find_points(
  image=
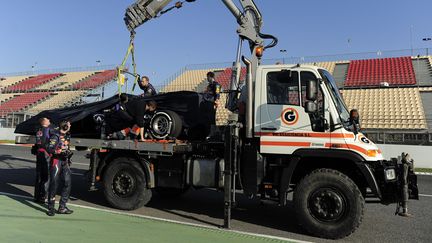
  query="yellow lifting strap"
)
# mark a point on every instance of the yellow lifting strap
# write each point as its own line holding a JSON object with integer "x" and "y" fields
{"x": 120, "y": 69}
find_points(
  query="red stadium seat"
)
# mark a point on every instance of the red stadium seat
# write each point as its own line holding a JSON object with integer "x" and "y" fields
{"x": 372, "y": 72}
{"x": 20, "y": 102}
{"x": 32, "y": 82}
{"x": 224, "y": 78}
{"x": 96, "y": 80}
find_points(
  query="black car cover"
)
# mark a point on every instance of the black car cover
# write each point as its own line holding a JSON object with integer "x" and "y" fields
{"x": 190, "y": 106}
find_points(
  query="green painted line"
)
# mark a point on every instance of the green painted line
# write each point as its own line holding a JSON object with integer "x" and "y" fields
{"x": 425, "y": 170}
{"x": 24, "y": 221}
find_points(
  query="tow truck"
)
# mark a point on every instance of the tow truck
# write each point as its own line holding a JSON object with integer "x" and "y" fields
{"x": 295, "y": 138}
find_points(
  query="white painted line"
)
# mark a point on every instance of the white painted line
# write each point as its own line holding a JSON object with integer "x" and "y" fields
{"x": 423, "y": 173}
{"x": 75, "y": 163}
{"x": 169, "y": 220}
{"x": 425, "y": 195}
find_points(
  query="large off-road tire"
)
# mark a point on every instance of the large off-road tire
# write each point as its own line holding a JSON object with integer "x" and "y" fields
{"x": 125, "y": 185}
{"x": 328, "y": 204}
{"x": 165, "y": 124}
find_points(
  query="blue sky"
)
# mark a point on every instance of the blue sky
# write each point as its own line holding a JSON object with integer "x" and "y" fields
{"x": 59, "y": 34}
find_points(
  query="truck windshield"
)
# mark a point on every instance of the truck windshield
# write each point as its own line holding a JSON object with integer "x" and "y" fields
{"x": 336, "y": 96}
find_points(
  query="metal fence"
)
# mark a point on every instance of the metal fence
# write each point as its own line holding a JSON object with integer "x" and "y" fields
{"x": 59, "y": 70}
{"x": 351, "y": 56}
{"x": 408, "y": 138}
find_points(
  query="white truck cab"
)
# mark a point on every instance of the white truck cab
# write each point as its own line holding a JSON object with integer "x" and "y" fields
{"x": 284, "y": 123}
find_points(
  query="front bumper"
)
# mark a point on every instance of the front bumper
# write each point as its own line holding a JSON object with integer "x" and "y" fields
{"x": 396, "y": 180}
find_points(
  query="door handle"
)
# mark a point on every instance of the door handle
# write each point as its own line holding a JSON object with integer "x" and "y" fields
{"x": 269, "y": 128}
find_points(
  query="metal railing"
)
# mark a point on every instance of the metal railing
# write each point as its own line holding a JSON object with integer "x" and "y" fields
{"x": 59, "y": 70}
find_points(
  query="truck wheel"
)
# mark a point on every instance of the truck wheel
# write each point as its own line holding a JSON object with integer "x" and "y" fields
{"x": 165, "y": 124}
{"x": 125, "y": 184}
{"x": 328, "y": 204}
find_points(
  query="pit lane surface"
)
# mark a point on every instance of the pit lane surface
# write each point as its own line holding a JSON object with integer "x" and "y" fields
{"x": 206, "y": 206}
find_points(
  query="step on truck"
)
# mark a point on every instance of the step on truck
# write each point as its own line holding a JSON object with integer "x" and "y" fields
{"x": 294, "y": 137}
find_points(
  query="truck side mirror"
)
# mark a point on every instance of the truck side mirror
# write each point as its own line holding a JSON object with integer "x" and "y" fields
{"x": 311, "y": 107}
{"x": 311, "y": 90}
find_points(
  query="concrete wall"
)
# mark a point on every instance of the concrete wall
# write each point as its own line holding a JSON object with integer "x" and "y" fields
{"x": 422, "y": 155}
{"x": 7, "y": 133}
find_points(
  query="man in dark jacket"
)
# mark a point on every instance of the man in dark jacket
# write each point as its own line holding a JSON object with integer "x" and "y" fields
{"x": 211, "y": 101}
{"x": 42, "y": 159}
{"x": 60, "y": 168}
{"x": 147, "y": 87}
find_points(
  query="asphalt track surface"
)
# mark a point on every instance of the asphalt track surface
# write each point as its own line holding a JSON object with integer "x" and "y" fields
{"x": 205, "y": 207}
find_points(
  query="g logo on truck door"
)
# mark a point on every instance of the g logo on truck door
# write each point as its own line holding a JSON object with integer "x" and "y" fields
{"x": 289, "y": 116}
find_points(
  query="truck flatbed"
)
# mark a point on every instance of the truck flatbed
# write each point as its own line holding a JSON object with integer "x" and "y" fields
{"x": 164, "y": 147}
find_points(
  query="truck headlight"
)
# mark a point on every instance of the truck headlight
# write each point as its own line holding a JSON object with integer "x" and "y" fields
{"x": 390, "y": 174}
{"x": 372, "y": 152}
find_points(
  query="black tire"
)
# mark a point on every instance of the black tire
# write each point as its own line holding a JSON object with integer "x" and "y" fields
{"x": 125, "y": 184}
{"x": 328, "y": 204}
{"x": 165, "y": 124}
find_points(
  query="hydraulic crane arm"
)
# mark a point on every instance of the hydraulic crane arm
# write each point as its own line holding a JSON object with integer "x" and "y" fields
{"x": 249, "y": 19}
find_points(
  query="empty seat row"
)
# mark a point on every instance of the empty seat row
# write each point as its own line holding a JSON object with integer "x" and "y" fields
{"x": 31, "y": 82}
{"x": 373, "y": 72}
{"x": 96, "y": 80}
{"x": 222, "y": 113}
{"x": 7, "y": 81}
{"x": 224, "y": 78}
{"x": 4, "y": 97}
{"x": 57, "y": 100}
{"x": 388, "y": 108}
{"x": 65, "y": 81}
{"x": 187, "y": 81}
{"x": 20, "y": 102}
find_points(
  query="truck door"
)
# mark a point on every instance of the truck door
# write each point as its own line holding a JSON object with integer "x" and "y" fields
{"x": 284, "y": 124}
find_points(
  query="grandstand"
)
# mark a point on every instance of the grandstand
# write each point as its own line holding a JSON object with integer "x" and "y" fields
{"x": 187, "y": 81}
{"x": 57, "y": 100}
{"x": 20, "y": 102}
{"x": 374, "y": 72}
{"x": 65, "y": 81}
{"x": 8, "y": 81}
{"x": 393, "y": 94}
{"x": 388, "y": 108}
{"x": 95, "y": 80}
{"x": 31, "y": 83}
{"x": 22, "y": 96}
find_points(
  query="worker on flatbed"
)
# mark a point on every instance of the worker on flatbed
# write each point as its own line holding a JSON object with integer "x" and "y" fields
{"x": 211, "y": 98}
{"x": 123, "y": 99}
{"x": 147, "y": 87}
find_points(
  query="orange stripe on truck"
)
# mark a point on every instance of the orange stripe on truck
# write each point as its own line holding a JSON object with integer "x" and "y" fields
{"x": 347, "y": 146}
{"x": 281, "y": 143}
{"x": 306, "y": 134}
{"x": 308, "y": 144}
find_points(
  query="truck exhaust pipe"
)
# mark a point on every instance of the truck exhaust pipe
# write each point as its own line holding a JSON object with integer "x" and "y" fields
{"x": 249, "y": 100}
